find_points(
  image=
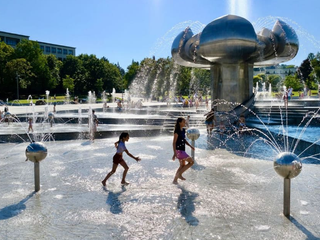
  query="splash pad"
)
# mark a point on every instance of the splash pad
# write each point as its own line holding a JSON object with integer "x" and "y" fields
{"x": 227, "y": 194}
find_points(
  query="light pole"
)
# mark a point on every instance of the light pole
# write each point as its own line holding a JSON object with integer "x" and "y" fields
{"x": 17, "y": 78}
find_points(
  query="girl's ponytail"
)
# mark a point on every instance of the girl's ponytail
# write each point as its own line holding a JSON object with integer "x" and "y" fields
{"x": 122, "y": 136}
{"x": 177, "y": 125}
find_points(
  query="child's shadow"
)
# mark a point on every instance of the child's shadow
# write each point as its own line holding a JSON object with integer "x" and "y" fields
{"x": 186, "y": 206}
{"x": 113, "y": 200}
{"x": 14, "y": 209}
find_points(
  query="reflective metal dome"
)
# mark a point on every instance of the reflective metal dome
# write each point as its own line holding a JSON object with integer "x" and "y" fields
{"x": 36, "y": 152}
{"x": 193, "y": 133}
{"x": 7, "y": 115}
{"x": 287, "y": 165}
{"x": 232, "y": 39}
{"x": 50, "y": 115}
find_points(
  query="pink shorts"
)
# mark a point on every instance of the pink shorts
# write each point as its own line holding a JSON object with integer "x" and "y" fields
{"x": 181, "y": 154}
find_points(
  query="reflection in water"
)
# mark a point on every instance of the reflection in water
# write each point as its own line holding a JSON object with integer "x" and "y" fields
{"x": 114, "y": 202}
{"x": 14, "y": 209}
{"x": 186, "y": 206}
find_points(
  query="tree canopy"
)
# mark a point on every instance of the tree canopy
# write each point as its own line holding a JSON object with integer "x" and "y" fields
{"x": 36, "y": 72}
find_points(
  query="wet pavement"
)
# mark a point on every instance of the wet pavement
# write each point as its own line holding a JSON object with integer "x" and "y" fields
{"x": 227, "y": 195}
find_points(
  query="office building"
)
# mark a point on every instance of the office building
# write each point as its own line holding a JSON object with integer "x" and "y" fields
{"x": 60, "y": 51}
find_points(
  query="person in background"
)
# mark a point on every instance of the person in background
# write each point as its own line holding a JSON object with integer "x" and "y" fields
{"x": 222, "y": 129}
{"x": 30, "y": 125}
{"x": 187, "y": 122}
{"x": 242, "y": 122}
{"x": 94, "y": 124}
{"x": 289, "y": 92}
{"x": 285, "y": 98}
{"x": 209, "y": 121}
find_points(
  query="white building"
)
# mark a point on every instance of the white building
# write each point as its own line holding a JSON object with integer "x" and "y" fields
{"x": 60, "y": 51}
{"x": 281, "y": 70}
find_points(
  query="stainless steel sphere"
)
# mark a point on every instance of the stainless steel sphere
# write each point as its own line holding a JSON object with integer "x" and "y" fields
{"x": 7, "y": 115}
{"x": 36, "y": 152}
{"x": 50, "y": 115}
{"x": 287, "y": 165}
{"x": 193, "y": 133}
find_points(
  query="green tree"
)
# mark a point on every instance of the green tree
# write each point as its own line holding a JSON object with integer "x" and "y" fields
{"x": 73, "y": 67}
{"x": 99, "y": 85}
{"x": 6, "y": 53}
{"x": 113, "y": 78}
{"x": 275, "y": 81}
{"x": 42, "y": 79}
{"x": 203, "y": 78}
{"x": 54, "y": 66}
{"x": 183, "y": 81}
{"x": 257, "y": 79}
{"x": 304, "y": 72}
{"x": 131, "y": 73}
{"x": 68, "y": 82}
{"x": 294, "y": 82}
{"x": 17, "y": 70}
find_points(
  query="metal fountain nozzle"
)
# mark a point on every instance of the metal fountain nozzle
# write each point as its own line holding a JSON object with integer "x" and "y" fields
{"x": 193, "y": 134}
{"x": 287, "y": 165}
{"x": 36, "y": 152}
{"x": 50, "y": 115}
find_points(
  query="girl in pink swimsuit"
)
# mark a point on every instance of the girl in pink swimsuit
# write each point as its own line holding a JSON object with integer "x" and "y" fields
{"x": 179, "y": 142}
{"x": 117, "y": 158}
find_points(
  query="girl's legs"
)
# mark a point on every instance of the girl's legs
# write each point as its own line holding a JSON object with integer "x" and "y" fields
{"x": 178, "y": 174}
{"x": 211, "y": 128}
{"x": 126, "y": 168}
{"x": 186, "y": 167}
{"x": 114, "y": 168}
{"x": 183, "y": 167}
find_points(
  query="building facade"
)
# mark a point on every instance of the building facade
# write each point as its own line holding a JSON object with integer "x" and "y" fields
{"x": 60, "y": 51}
{"x": 280, "y": 70}
{"x": 12, "y": 39}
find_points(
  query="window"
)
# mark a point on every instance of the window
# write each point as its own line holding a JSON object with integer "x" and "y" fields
{"x": 42, "y": 48}
{"x": 47, "y": 49}
{"x": 70, "y": 52}
{"x": 12, "y": 41}
{"x": 54, "y": 50}
{"x": 59, "y": 50}
{"x": 65, "y": 51}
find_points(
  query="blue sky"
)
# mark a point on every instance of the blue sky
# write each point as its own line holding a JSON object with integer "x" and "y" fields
{"x": 126, "y": 30}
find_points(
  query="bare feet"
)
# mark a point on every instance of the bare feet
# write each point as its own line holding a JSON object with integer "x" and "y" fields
{"x": 175, "y": 182}
{"x": 182, "y": 178}
{"x": 125, "y": 183}
{"x": 103, "y": 183}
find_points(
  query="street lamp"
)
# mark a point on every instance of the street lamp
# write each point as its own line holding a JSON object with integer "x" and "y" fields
{"x": 17, "y": 78}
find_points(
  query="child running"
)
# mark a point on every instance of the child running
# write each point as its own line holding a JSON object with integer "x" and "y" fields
{"x": 179, "y": 141}
{"x": 117, "y": 158}
{"x": 30, "y": 125}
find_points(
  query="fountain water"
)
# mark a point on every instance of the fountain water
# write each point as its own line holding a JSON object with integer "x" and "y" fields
{"x": 47, "y": 94}
{"x": 270, "y": 90}
{"x": 113, "y": 94}
{"x": 67, "y": 96}
{"x": 223, "y": 195}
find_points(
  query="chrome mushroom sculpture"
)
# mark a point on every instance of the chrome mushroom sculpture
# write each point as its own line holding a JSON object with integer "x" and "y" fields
{"x": 230, "y": 48}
